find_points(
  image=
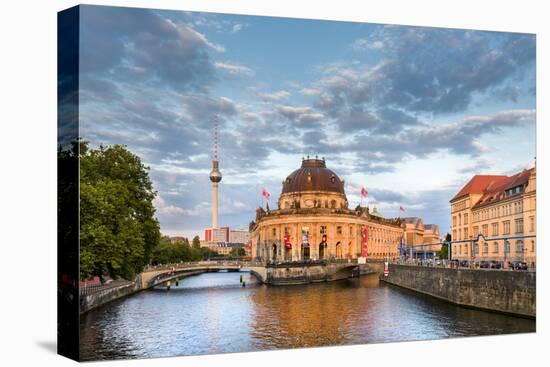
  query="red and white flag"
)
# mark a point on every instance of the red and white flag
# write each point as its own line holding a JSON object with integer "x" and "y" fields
{"x": 401, "y": 208}
{"x": 364, "y": 192}
{"x": 265, "y": 193}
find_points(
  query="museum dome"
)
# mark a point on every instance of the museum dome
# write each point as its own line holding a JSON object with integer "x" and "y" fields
{"x": 313, "y": 176}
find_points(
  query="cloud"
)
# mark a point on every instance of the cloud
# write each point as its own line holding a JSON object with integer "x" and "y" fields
{"x": 299, "y": 114}
{"x": 235, "y": 69}
{"x": 367, "y": 44}
{"x": 134, "y": 44}
{"x": 426, "y": 70}
{"x": 275, "y": 96}
{"x": 236, "y": 28}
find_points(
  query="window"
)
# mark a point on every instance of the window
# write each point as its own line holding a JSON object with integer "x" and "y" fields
{"x": 495, "y": 247}
{"x": 485, "y": 229}
{"x": 460, "y": 250}
{"x": 506, "y": 227}
{"x": 519, "y": 246}
{"x": 531, "y": 224}
{"x": 274, "y": 232}
{"x": 532, "y": 246}
{"x": 476, "y": 231}
{"x": 485, "y": 248}
{"x": 339, "y": 230}
{"x": 465, "y": 218}
{"x": 323, "y": 229}
{"x": 519, "y": 225}
{"x": 466, "y": 249}
{"x": 506, "y": 247}
{"x": 454, "y": 234}
{"x": 350, "y": 230}
{"x": 459, "y": 219}
{"x": 333, "y": 204}
{"x": 454, "y": 221}
{"x": 287, "y": 230}
{"x": 495, "y": 229}
{"x": 465, "y": 233}
{"x": 287, "y": 205}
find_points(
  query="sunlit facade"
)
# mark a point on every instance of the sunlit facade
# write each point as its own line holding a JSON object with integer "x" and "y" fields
{"x": 503, "y": 210}
{"x": 313, "y": 221}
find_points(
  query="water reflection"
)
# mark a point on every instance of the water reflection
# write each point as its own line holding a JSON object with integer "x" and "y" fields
{"x": 211, "y": 313}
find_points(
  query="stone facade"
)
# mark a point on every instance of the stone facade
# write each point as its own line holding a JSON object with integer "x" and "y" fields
{"x": 418, "y": 233}
{"x": 313, "y": 221}
{"x": 497, "y": 207}
{"x": 512, "y": 292}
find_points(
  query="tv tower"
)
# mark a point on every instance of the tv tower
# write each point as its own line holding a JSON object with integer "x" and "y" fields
{"x": 215, "y": 176}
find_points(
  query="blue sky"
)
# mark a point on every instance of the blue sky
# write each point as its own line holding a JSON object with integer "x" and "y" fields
{"x": 411, "y": 113}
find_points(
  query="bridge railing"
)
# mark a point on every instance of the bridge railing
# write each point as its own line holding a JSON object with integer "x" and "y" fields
{"x": 87, "y": 290}
{"x": 202, "y": 264}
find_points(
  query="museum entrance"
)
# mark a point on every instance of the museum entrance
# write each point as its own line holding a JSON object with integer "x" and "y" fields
{"x": 288, "y": 254}
{"x": 338, "y": 250}
{"x": 305, "y": 251}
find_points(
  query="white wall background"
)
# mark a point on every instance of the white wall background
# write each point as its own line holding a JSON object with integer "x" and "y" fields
{"x": 28, "y": 180}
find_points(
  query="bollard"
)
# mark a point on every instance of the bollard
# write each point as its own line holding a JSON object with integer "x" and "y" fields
{"x": 168, "y": 286}
{"x": 244, "y": 283}
{"x": 241, "y": 278}
{"x": 177, "y": 282}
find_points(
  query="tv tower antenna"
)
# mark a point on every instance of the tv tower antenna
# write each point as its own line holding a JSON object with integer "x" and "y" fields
{"x": 215, "y": 176}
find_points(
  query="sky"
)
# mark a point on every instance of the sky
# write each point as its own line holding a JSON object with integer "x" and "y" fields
{"x": 410, "y": 113}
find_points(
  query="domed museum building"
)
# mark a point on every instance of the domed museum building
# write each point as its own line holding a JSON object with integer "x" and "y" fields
{"x": 313, "y": 221}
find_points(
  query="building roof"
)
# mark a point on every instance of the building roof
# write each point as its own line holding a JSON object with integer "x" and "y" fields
{"x": 478, "y": 184}
{"x": 412, "y": 220}
{"x": 313, "y": 175}
{"x": 496, "y": 192}
{"x": 434, "y": 228}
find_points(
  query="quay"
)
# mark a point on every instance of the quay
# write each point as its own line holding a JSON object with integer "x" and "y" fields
{"x": 504, "y": 291}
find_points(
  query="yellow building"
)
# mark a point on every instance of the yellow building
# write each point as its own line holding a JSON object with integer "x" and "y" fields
{"x": 503, "y": 210}
{"x": 313, "y": 221}
{"x": 417, "y": 233}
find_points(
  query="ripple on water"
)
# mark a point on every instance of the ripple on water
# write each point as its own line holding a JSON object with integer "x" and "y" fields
{"x": 212, "y": 313}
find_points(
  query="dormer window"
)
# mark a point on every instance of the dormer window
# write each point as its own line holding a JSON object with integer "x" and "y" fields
{"x": 332, "y": 179}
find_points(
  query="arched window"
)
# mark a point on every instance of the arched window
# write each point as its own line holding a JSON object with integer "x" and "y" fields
{"x": 495, "y": 247}
{"x": 519, "y": 246}
{"x": 333, "y": 204}
{"x": 506, "y": 247}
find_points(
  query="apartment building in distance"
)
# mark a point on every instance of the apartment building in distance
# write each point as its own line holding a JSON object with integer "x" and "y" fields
{"x": 503, "y": 210}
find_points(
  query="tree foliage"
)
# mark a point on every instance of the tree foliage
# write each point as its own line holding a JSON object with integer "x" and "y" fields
{"x": 118, "y": 230}
{"x": 444, "y": 252}
{"x": 169, "y": 252}
{"x": 237, "y": 251}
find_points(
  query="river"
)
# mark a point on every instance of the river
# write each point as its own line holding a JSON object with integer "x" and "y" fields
{"x": 212, "y": 313}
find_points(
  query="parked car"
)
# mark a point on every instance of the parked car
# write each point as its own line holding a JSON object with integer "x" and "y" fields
{"x": 464, "y": 263}
{"x": 484, "y": 264}
{"x": 438, "y": 262}
{"x": 517, "y": 265}
{"x": 496, "y": 265}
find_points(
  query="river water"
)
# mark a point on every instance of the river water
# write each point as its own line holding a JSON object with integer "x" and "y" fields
{"x": 212, "y": 313}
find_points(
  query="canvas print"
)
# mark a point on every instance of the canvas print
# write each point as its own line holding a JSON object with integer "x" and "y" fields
{"x": 233, "y": 183}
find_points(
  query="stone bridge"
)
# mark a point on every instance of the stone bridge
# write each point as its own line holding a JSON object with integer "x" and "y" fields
{"x": 160, "y": 275}
{"x": 267, "y": 273}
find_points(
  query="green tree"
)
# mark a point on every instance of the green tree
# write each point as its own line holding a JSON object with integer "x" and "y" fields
{"x": 118, "y": 230}
{"x": 237, "y": 251}
{"x": 444, "y": 252}
{"x": 196, "y": 242}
